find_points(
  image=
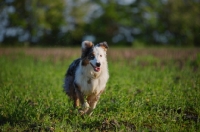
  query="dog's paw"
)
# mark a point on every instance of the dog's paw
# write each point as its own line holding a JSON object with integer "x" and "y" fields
{"x": 85, "y": 105}
{"x": 81, "y": 112}
{"x": 89, "y": 112}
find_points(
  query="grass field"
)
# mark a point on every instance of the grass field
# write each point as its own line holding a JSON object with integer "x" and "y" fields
{"x": 153, "y": 89}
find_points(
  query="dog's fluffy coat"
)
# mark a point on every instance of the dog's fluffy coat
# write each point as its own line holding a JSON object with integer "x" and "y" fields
{"x": 87, "y": 76}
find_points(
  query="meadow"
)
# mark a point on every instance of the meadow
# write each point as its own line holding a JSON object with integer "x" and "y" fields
{"x": 153, "y": 89}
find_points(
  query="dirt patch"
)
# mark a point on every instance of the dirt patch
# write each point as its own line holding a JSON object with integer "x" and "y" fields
{"x": 113, "y": 54}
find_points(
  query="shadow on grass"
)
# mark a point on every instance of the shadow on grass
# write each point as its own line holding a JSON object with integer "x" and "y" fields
{"x": 109, "y": 125}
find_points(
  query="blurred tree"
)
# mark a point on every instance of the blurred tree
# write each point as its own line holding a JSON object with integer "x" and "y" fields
{"x": 37, "y": 19}
{"x": 76, "y": 16}
{"x": 182, "y": 19}
{"x": 68, "y": 22}
{"x": 144, "y": 19}
{"x": 124, "y": 23}
{"x": 105, "y": 26}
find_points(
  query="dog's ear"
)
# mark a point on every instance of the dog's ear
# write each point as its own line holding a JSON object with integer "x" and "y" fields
{"x": 86, "y": 46}
{"x": 103, "y": 45}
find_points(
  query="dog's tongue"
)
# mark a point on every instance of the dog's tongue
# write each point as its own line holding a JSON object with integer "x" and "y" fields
{"x": 97, "y": 69}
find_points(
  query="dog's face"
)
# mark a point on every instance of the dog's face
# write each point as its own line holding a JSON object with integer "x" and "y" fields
{"x": 94, "y": 56}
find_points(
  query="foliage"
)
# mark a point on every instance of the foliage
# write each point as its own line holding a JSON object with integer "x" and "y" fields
{"x": 68, "y": 22}
{"x": 38, "y": 19}
{"x": 147, "y": 93}
{"x": 182, "y": 21}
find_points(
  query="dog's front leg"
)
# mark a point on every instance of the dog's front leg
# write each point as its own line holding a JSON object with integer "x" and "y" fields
{"x": 84, "y": 104}
{"x": 92, "y": 100}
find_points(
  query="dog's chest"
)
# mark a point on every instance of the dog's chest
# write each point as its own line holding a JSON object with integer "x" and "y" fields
{"x": 90, "y": 85}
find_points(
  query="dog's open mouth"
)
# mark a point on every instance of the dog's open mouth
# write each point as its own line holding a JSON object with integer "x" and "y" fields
{"x": 96, "y": 69}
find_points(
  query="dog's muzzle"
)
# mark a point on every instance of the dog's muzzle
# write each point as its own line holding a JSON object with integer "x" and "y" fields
{"x": 97, "y": 67}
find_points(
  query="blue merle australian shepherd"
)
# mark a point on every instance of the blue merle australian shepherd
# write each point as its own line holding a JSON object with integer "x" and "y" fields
{"x": 87, "y": 76}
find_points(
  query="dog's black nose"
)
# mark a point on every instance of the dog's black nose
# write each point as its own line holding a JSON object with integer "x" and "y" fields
{"x": 98, "y": 64}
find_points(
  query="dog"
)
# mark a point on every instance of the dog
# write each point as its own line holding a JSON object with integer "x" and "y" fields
{"x": 87, "y": 76}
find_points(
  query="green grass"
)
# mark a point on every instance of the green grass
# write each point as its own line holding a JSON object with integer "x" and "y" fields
{"x": 146, "y": 93}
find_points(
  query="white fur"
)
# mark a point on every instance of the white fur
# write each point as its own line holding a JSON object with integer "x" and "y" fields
{"x": 98, "y": 79}
{"x": 83, "y": 44}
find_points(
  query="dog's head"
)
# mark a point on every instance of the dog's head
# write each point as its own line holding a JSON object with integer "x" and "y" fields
{"x": 95, "y": 56}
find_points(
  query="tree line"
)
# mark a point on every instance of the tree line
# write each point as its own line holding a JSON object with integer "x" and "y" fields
{"x": 128, "y": 22}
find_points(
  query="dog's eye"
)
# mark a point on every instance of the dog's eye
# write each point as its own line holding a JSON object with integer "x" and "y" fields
{"x": 91, "y": 57}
